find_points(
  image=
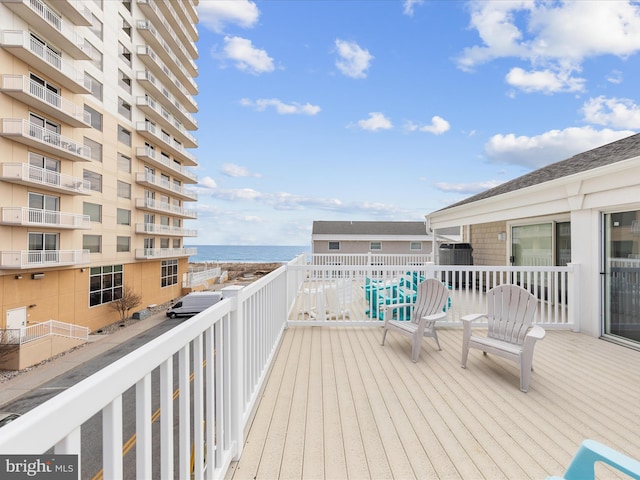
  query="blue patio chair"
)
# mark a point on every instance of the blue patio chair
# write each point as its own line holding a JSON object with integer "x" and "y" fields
{"x": 582, "y": 467}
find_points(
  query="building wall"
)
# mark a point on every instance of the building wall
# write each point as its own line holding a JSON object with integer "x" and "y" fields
{"x": 364, "y": 246}
{"x": 488, "y": 249}
{"x": 63, "y": 293}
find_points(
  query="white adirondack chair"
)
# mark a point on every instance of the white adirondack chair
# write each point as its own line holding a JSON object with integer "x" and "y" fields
{"x": 428, "y": 308}
{"x": 510, "y": 312}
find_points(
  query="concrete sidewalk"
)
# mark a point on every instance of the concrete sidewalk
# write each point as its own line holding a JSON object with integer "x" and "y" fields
{"x": 97, "y": 345}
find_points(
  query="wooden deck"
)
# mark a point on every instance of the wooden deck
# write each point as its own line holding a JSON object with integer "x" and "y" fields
{"x": 338, "y": 405}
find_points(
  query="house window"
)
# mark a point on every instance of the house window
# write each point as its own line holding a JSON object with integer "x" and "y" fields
{"x": 123, "y": 244}
{"x": 415, "y": 246}
{"x": 124, "y": 136}
{"x": 96, "y": 26}
{"x": 43, "y": 247}
{"x": 124, "y": 216}
{"x": 93, "y": 210}
{"x": 93, "y": 243}
{"x": 94, "y": 179}
{"x": 97, "y": 61}
{"x": 96, "y": 117}
{"x": 44, "y": 202}
{"x": 334, "y": 245}
{"x": 124, "y": 189}
{"x": 124, "y": 163}
{"x": 124, "y": 109}
{"x": 176, "y": 243}
{"x": 375, "y": 245}
{"x": 126, "y": 28}
{"x": 125, "y": 54}
{"x": 95, "y": 147}
{"x": 124, "y": 81}
{"x": 105, "y": 284}
{"x": 169, "y": 273}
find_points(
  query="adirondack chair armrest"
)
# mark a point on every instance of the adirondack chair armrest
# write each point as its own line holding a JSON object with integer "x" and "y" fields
{"x": 536, "y": 333}
{"x": 434, "y": 317}
{"x": 473, "y": 317}
{"x": 388, "y": 308}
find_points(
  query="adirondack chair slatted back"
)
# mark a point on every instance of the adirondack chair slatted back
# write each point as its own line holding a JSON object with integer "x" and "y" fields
{"x": 431, "y": 298}
{"x": 510, "y": 312}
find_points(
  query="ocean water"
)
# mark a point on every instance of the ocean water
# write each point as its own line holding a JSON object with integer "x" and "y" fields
{"x": 247, "y": 253}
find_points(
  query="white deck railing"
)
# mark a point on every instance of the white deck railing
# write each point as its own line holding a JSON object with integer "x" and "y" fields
{"x": 227, "y": 350}
{"x": 20, "y": 336}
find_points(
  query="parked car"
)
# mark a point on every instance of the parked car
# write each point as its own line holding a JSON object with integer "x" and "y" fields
{"x": 7, "y": 417}
{"x": 194, "y": 303}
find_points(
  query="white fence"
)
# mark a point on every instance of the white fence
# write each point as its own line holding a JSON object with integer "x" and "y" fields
{"x": 219, "y": 360}
{"x": 20, "y": 336}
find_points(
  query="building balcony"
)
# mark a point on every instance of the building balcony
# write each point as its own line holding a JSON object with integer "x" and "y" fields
{"x": 33, "y": 135}
{"x": 185, "y": 71}
{"x": 155, "y": 253}
{"x": 35, "y": 95}
{"x": 29, "y": 217}
{"x": 175, "y": 105}
{"x": 20, "y": 259}
{"x": 75, "y": 10}
{"x": 32, "y": 176}
{"x": 20, "y": 44}
{"x": 179, "y": 40}
{"x": 165, "y": 230}
{"x": 182, "y": 20}
{"x": 163, "y": 73}
{"x": 154, "y": 111}
{"x": 177, "y": 171}
{"x": 52, "y": 26}
{"x": 166, "y": 142}
{"x": 152, "y": 205}
{"x": 158, "y": 183}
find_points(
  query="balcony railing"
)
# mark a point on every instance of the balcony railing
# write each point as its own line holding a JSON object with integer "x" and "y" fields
{"x": 159, "y": 114}
{"x": 233, "y": 344}
{"x": 44, "y": 218}
{"x": 156, "y": 229}
{"x": 152, "y": 253}
{"x": 26, "y": 174}
{"x": 52, "y": 142}
{"x": 34, "y": 53}
{"x": 155, "y": 134}
{"x": 32, "y": 93}
{"x": 20, "y": 336}
{"x": 152, "y": 156}
{"x": 152, "y": 204}
{"x": 154, "y": 180}
{"x": 150, "y": 82}
{"x": 43, "y": 258}
{"x": 38, "y": 15}
{"x": 76, "y": 11}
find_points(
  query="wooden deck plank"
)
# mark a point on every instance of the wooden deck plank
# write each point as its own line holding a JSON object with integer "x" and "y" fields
{"x": 369, "y": 412}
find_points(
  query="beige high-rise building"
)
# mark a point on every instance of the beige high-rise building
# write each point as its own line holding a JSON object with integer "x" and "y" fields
{"x": 97, "y": 104}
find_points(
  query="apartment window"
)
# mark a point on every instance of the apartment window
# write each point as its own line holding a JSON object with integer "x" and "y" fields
{"x": 164, "y": 243}
{"x": 375, "y": 245}
{"x": 124, "y": 163}
{"x": 124, "y": 216}
{"x": 96, "y": 117}
{"x": 43, "y": 50}
{"x": 40, "y": 88}
{"x": 96, "y": 86}
{"x": 176, "y": 243}
{"x": 169, "y": 272}
{"x": 124, "y": 136}
{"x": 96, "y": 149}
{"x": 149, "y": 243}
{"x": 123, "y": 244}
{"x": 95, "y": 180}
{"x": 46, "y": 163}
{"x": 124, "y": 81}
{"x": 164, "y": 221}
{"x": 415, "y": 246}
{"x": 44, "y": 202}
{"x": 96, "y": 60}
{"x": 126, "y": 28}
{"x": 93, "y": 243}
{"x": 334, "y": 245}
{"x": 124, "y": 109}
{"x": 105, "y": 284}
{"x": 47, "y": 243}
{"x": 127, "y": 4}
{"x": 177, "y": 222}
{"x": 124, "y": 189}
{"x": 124, "y": 53}
{"x": 93, "y": 210}
{"x": 96, "y": 26}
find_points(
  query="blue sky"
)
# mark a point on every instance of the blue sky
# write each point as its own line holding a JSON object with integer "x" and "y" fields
{"x": 391, "y": 109}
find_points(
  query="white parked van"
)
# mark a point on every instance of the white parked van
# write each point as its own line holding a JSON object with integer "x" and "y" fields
{"x": 194, "y": 302}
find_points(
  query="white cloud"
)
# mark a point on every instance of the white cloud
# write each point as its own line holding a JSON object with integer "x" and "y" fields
{"x": 467, "y": 188}
{"x": 546, "y": 81}
{"x": 409, "y": 5}
{"x": 552, "y": 146}
{"x": 554, "y": 37}
{"x": 247, "y": 57}
{"x": 615, "y": 77}
{"x": 438, "y": 126}
{"x": 282, "y": 108}
{"x": 207, "y": 182}
{"x": 612, "y": 112}
{"x": 376, "y": 121}
{"x": 215, "y": 15}
{"x": 353, "y": 61}
{"x": 232, "y": 170}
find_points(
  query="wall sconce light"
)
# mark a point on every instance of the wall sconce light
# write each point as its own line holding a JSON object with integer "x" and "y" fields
{"x": 37, "y": 276}
{"x": 82, "y": 270}
{"x": 33, "y": 305}
{"x": 18, "y": 277}
{"x": 502, "y": 236}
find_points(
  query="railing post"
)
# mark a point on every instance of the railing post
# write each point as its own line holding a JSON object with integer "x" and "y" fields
{"x": 573, "y": 304}
{"x": 70, "y": 445}
{"x": 236, "y": 345}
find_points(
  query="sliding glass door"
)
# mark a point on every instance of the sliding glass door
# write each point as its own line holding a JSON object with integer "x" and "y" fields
{"x": 621, "y": 270}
